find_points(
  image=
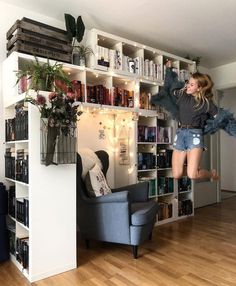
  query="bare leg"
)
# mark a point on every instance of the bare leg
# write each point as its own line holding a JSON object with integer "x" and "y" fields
{"x": 193, "y": 169}
{"x": 178, "y": 159}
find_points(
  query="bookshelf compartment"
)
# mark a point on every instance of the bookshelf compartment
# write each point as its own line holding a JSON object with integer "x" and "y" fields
{"x": 146, "y": 91}
{"x": 98, "y": 88}
{"x": 165, "y": 210}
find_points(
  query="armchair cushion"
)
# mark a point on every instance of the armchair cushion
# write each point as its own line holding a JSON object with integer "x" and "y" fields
{"x": 89, "y": 159}
{"x": 143, "y": 213}
{"x": 96, "y": 183}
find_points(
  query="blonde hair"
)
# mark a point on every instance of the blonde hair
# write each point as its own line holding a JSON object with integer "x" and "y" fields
{"x": 205, "y": 93}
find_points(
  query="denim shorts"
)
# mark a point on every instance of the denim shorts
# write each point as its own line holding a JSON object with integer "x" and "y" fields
{"x": 187, "y": 139}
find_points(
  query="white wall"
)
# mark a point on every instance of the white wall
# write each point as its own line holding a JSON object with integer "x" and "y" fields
{"x": 9, "y": 14}
{"x": 225, "y": 78}
{"x": 228, "y": 146}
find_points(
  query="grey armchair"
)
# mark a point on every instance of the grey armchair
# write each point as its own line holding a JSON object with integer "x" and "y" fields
{"x": 125, "y": 216}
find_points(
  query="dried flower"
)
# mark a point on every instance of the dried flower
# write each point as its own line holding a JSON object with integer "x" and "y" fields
{"x": 61, "y": 110}
{"x": 41, "y": 100}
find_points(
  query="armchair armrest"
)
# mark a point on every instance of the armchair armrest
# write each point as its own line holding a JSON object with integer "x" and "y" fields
{"x": 119, "y": 197}
{"x": 138, "y": 192}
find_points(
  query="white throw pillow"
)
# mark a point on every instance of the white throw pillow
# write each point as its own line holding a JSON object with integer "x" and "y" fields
{"x": 96, "y": 183}
{"x": 89, "y": 159}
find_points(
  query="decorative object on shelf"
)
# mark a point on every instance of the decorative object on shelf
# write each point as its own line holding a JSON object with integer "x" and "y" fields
{"x": 75, "y": 33}
{"x": 42, "y": 76}
{"x": 80, "y": 54}
{"x": 38, "y": 39}
{"x": 197, "y": 60}
{"x": 59, "y": 117}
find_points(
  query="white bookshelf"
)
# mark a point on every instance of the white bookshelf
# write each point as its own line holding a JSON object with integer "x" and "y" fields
{"x": 52, "y": 190}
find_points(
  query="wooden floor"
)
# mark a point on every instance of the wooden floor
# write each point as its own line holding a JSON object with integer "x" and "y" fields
{"x": 196, "y": 251}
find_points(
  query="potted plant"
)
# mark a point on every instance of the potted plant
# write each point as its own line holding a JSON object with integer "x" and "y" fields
{"x": 80, "y": 54}
{"x": 75, "y": 32}
{"x": 42, "y": 76}
{"x": 58, "y": 109}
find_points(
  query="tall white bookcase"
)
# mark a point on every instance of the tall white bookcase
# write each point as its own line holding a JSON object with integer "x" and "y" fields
{"x": 52, "y": 190}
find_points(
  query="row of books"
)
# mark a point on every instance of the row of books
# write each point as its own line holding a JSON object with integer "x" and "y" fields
{"x": 157, "y": 134}
{"x": 146, "y": 161}
{"x": 12, "y": 201}
{"x": 22, "y": 211}
{"x": 22, "y": 251}
{"x": 17, "y": 128}
{"x": 165, "y": 210}
{"x": 184, "y": 184}
{"x": 17, "y": 169}
{"x": 164, "y": 158}
{"x": 147, "y": 68}
{"x": 165, "y": 185}
{"x": 99, "y": 94}
{"x": 164, "y": 134}
{"x": 145, "y": 101}
{"x": 22, "y": 165}
{"x": 114, "y": 59}
{"x": 123, "y": 97}
{"x": 10, "y": 163}
{"x": 116, "y": 96}
{"x": 108, "y": 58}
{"x": 77, "y": 87}
{"x": 12, "y": 241}
{"x": 146, "y": 133}
{"x": 185, "y": 207}
{"x": 152, "y": 185}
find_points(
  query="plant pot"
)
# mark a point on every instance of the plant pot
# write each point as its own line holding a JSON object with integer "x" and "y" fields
{"x": 78, "y": 60}
{"x": 45, "y": 85}
{"x": 75, "y": 59}
{"x": 82, "y": 61}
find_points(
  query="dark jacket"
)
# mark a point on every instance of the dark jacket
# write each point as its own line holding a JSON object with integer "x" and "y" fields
{"x": 223, "y": 120}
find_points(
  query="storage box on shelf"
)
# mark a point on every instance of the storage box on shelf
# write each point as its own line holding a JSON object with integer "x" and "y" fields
{"x": 36, "y": 38}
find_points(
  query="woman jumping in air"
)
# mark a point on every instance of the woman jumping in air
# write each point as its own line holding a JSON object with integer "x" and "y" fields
{"x": 194, "y": 103}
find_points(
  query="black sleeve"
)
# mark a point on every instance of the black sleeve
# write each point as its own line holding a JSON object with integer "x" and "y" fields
{"x": 172, "y": 84}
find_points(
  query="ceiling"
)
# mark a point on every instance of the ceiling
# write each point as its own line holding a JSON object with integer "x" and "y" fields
{"x": 204, "y": 28}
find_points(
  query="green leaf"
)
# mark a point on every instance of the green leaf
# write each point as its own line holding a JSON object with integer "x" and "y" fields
{"x": 80, "y": 29}
{"x": 70, "y": 26}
